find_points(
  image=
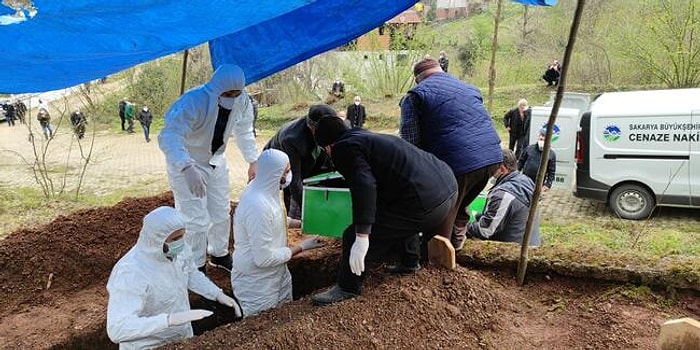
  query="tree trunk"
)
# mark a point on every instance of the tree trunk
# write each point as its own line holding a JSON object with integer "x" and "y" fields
{"x": 494, "y": 48}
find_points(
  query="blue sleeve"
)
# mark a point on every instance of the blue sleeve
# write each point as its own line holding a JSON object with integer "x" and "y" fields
{"x": 409, "y": 128}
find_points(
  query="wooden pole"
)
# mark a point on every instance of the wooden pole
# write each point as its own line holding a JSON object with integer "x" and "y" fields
{"x": 494, "y": 48}
{"x": 184, "y": 71}
{"x": 522, "y": 265}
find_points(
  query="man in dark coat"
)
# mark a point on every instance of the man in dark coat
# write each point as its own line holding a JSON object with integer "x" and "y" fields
{"x": 296, "y": 139}
{"x": 529, "y": 161}
{"x": 446, "y": 117}
{"x": 517, "y": 122}
{"x": 122, "y": 108}
{"x": 145, "y": 119}
{"x": 356, "y": 113}
{"x": 397, "y": 190}
{"x": 78, "y": 121}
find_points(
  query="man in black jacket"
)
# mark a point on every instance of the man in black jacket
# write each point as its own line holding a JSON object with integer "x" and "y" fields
{"x": 296, "y": 139}
{"x": 517, "y": 122}
{"x": 356, "y": 113}
{"x": 397, "y": 191}
{"x": 122, "y": 108}
{"x": 529, "y": 162}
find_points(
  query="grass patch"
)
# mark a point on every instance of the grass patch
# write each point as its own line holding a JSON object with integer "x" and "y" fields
{"x": 622, "y": 237}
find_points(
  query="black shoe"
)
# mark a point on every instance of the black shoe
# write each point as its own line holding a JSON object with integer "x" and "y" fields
{"x": 333, "y": 295}
{"x": 203, "y": 269}
{"x": 222, "y": 262}
{"x": 401, "y": 269}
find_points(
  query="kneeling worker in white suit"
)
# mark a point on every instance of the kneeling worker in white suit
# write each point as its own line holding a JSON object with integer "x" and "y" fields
{"x": 148, "y": 300}
{"x": 194, "y": 138}
{"x": 260, "y": 278}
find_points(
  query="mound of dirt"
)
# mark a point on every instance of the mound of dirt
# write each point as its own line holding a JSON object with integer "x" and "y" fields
{"x": 52, "y": 281}
{"x": 432, "y": 309}
{"x": 71, "y": 253}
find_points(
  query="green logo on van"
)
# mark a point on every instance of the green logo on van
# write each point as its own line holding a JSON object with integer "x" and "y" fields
{"x": 612, "y": 133}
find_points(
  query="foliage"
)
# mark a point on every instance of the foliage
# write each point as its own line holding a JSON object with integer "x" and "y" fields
{"x": 666, "y": 46}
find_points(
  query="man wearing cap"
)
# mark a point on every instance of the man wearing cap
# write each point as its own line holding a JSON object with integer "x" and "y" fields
{"x": 296, "y": 139}
{"x": 447, "y": 117}
{"x": 194, "y": 138}
{"x": 517, "y": 122}
{"x": 397, "y": 191}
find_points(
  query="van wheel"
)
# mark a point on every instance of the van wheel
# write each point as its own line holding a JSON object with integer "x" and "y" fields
{"x": 632, "y": 202}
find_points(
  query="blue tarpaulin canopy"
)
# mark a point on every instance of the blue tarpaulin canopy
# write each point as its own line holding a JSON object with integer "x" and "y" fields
{"x": 53, "y": 44}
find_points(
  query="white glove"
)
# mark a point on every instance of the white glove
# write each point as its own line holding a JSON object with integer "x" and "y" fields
{"x": 180, "y": 318}
{"x": 224, "y": 299}
{"x": 310, "y": 243}
{"x": 195, "y": 180}
{"x": 357, "y": 254}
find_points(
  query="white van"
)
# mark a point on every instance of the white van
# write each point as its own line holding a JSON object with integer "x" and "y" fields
{"x": 640, "y": 149}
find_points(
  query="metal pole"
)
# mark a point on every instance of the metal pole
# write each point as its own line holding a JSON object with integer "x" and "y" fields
{"x": 522, "y": 265}
{"x": 184, "y": 71}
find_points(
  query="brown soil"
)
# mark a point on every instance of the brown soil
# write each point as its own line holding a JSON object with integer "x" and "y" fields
{"x": 52, "y": 284}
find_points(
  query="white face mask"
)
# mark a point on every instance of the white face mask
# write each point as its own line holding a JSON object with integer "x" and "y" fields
{"x": 175, "y": 248}
{"x": 357, "y": 103}
{"x": 287, "y": 181}
{"x": 540, "y": 144}
{"x": 227, "y": 102}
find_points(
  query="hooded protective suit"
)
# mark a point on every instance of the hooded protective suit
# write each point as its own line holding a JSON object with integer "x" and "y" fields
{"x": 187, "y": 139}
{"x": 260, "y": 278}
{"x": 145, "y": 287}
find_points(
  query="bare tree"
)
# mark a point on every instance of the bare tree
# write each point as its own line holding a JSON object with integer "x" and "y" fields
{"x": 494, "y": 48}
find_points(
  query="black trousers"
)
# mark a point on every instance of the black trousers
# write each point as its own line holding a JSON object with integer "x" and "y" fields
{"x": 393, "y": 236}
{"x": 123, "y": 119}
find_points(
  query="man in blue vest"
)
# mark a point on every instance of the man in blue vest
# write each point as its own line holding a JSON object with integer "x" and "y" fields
{"x": 447, "y": 117}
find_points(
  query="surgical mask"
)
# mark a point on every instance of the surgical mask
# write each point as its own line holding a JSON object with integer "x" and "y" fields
{"x": 227, "y": 102}
{"x": 175, "y": 248}
{"x": 287, "y": 181}
{"x": 357, "y": 103}
{"x": 540, "y": 144}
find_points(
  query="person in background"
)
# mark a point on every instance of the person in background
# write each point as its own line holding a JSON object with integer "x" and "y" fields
{"x": 356, "y": 113}
{"x": 446, "y": 117}
{"x": 78, "y": 121}
{"x": 338, "y": 89}
{"x": 122, "y": 108}
{"x": 9, "y": 113}
{"x": 397, "y": 191}
{"x": 145, "y": 119}
{"x": 21, "y": 111}
{"x": 296, "y": 139}
{"x": 552, "y": 74}
{"x": 444, "y": 61}
{"x": 148, "y": 288}
{"x": 259, "y": 275}
{"x": 507, "y": 206}
{"x": 45, "y": 122}
{"x": 129, "y": 117}
{"x": 194, "y": 140}
{"x": 529, "y": 161}
{"x": 517, "y": 122}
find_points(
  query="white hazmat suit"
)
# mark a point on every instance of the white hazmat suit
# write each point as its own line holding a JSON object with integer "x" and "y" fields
{"x": 186, "y": 140}
{"x": 260, "y": 278}
{"x": 146, "y": 288}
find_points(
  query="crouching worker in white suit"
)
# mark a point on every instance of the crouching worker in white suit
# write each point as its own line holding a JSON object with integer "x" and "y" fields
{"x": 260, "y": 278}
{"x": 148, "y": 300}
{"x": 194, "y": 138}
